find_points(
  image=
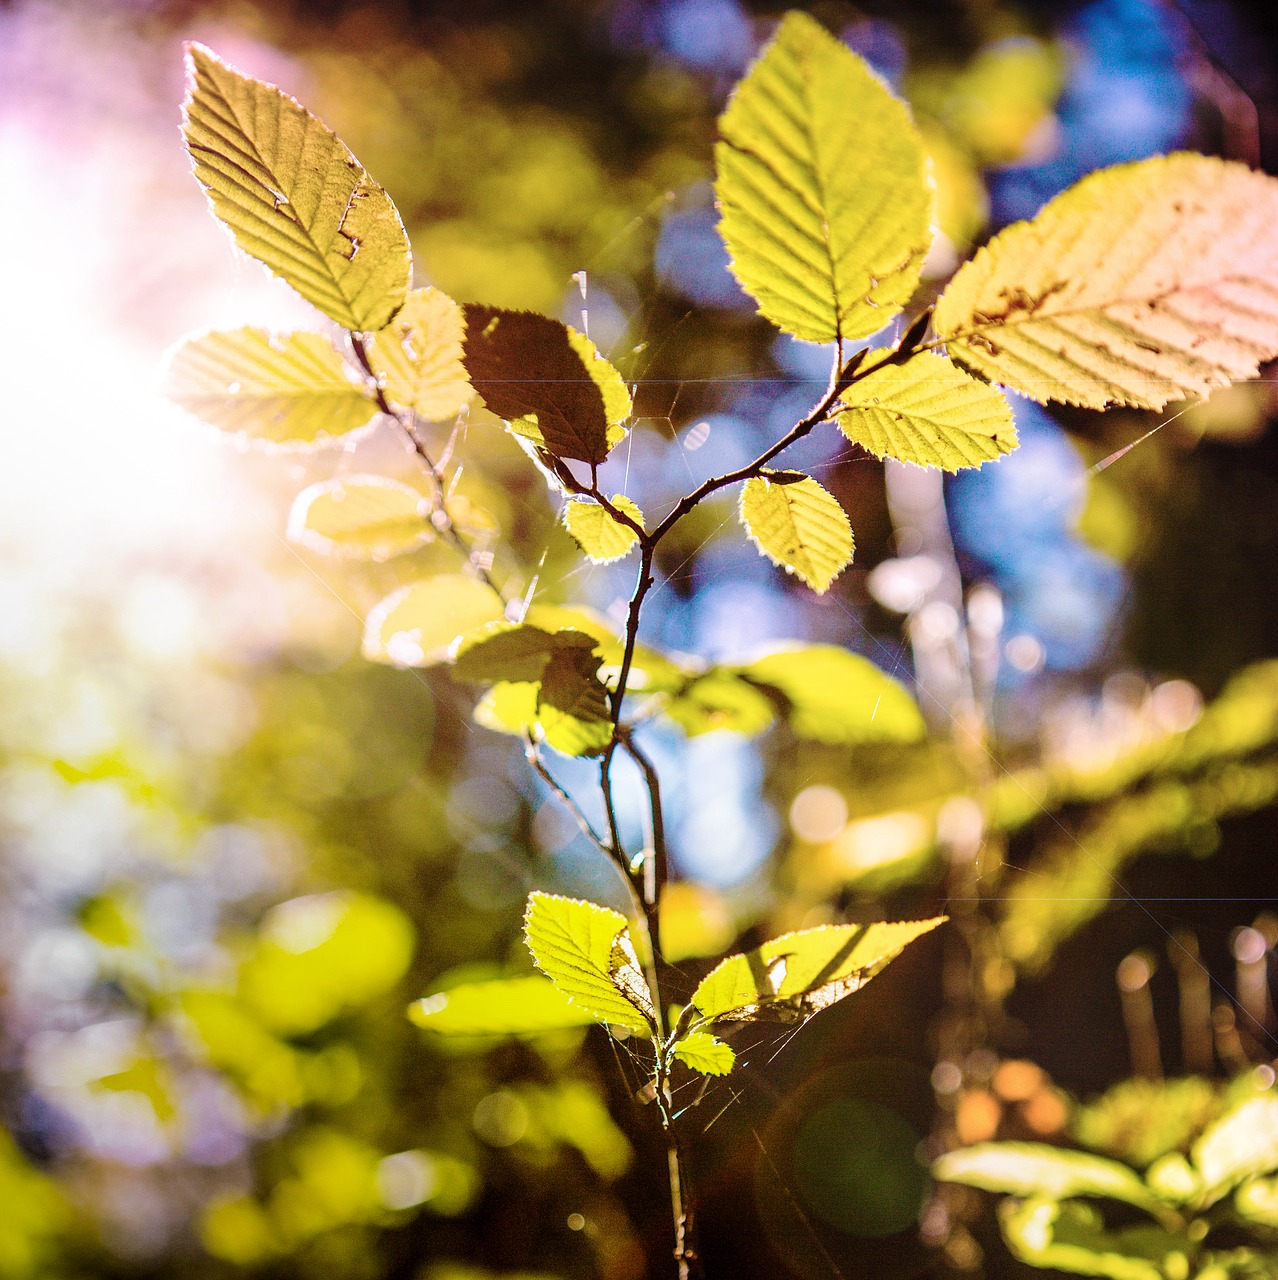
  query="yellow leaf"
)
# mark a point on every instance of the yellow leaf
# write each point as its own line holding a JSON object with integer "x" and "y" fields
{"x": 798, "y": 526}
{"x": 601, "y": 538}
{"x": 823, "y": 186}
{"x": 838, "y": 697}
{"x": 288, "y": 389}
{"x": 368, "y": 517}
{"x": 1143, "y": 283}
{"x": 929, "y": 412}
{"x": 799, "y": 974}
{"x": 293, "y": 195}
{"x": 585, "y": 950}
{"x": 418, "y": 356}
{"x": 546, "y": 381}
{"x": 417, "y": 625}
{"x": 705, "y": 1053}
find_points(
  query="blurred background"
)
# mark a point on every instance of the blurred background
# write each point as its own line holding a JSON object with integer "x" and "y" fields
{"x": 233, "y": 852}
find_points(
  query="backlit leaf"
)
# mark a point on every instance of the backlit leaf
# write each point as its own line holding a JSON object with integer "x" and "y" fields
{"x": 798, "y": 526}
{"x": 720, "y": 699}
{"x": 572, "y": 704}
{"x": 1143, "y": 283}
{"x": 650, "y": 671}
{"x": 1239, "y": 1145}
{"x": 293, "y": 195}
{"x": 798, "y": 974}
{"x": 417, "y": 625}
{"x": 508, "y": 707}
{"x": 1072, "y": 1237}
{"x": 503, "y": 651}
{"x": 369, "y": 517}
{"x": 585, "y": 950}
{"x": 1032, "y": 1168}
{"x": 929, "y": 412}
{"x": 822, "y": 183}
{"x": 838, "y": 697}
{"x": 600, "y": 537}
{"x": 418, "y": 356}
{"x": 287, "y": 389}
{"x": 546, "y": 380}
{"x": 504, "y": 1007}
{"x": 705, "y": 1053}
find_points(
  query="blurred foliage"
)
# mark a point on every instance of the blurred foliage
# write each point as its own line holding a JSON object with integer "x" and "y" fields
{"x": 230, "y": 866}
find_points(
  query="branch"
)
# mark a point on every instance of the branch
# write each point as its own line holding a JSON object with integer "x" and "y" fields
{"x": 407, "y": 427}
{"x": 532, "y": 754}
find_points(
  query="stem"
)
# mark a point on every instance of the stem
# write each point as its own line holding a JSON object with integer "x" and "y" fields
{"x": 441, "y": 518}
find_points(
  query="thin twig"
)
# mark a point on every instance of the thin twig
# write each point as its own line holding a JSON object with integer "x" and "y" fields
{"x": 441, "y": 519}
{"x": 532, "y": 753}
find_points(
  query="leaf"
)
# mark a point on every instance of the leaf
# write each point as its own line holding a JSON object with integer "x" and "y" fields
{"x": 929, "y": 412}
{"x": 503, "y": 651}
{"x": 585, "y": 950}
{"x": 417, "y": 625}
{"x": 572, "y": 705}
{"x": 504, "y": 1007}
{"x": 1034, "y": 1169}
{"x": 705, "y": 1053}
{"x": 287, "y": 389}
{"x": 293, "y": 195}
{"x": 1071, "y": 1237}
{"x": 798, "y": 526}
{"x": 600, "y": 537}
{"x": 650, "y": 671}
{"x": 367, "y": 517}
{"x": 823, "y": 187}
{"x": 838, "y": 697}
{"x": 508, "y": 707}
{"x": 1241, "y": 1144}
{"x": 720, "y": 699}
{"x": 798, "y": 974}
{"x": 1143, "y": 283}
{"x": 546, "y": 380}
{"x": 547, "y": 679}
{"x": 418, "y": 356}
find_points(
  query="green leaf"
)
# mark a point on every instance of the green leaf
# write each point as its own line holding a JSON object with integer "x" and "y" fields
{"x": 600, "y": 537}
{"x": 798, "y": 974}
{"x": 585, "y": 950}
{"x": 504, "y": 651}
{"x": 549, "y": 679}
{"x": 1143, "y": 283}
{"x": 418, "y": 356}
{"x": 705, "y": 1053}
{"x": 508, "y": 707}
{"x": 365, "y": 517}
{"x": 1071, "y": 1237}
{"x": 720, "y": 699}
{"x": 417, "y": 625}
{"x": 1034, "y": 1169}
{"x": 798, "y": 526}
{"x": 1241, "y": 1144}
{"x": 293, "y": 195}
{"x": 546, "y": 380}
{"x": 838, "y": 697}
{"x": 572, "y": 705}
{"x": 288, "y": 389}
{"x": 504, "y": 1007}
{"x": 650, "y": 671}
{"x": 824, "y": 189}
{"x": 927, "y": 411}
